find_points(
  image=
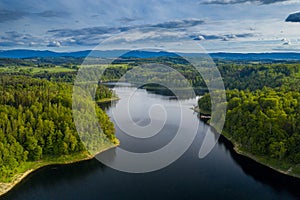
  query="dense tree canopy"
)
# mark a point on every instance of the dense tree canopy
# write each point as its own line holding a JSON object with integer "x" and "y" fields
{"x": 36, "y": 120}
{"x": 36, "y": 117}
{"x": 263, "y": 122}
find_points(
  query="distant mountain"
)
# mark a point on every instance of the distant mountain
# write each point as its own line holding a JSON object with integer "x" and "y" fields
{"x": 148, "y": 54}
{"x": 23, "y": 53}
{"x": 145, "y": 54}
{"x": 256, "y": 56}
{"x": 295, "y": 17}
{"x": 19, "y": 53}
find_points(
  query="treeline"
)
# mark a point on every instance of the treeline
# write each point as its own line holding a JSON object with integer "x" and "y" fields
{"x": 103, "y": 92}
{"x": 57, "y": 76}
{"x": 242, "y": 76}
{"x": 253, "y": 76}
{"x": 36, "y": 121}
{"x": 236, "y": 75}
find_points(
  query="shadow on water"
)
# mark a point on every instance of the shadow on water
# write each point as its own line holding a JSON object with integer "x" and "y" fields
{"x": 109, "y": 155}
{"x": 183, "y": 93}
{"x": 262, "y": 173}
{"x": 53, "y": 174}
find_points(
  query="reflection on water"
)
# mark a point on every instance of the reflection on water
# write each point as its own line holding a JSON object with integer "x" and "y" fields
{"x": 261, "y": 173}
{"x": 222, "y": 174}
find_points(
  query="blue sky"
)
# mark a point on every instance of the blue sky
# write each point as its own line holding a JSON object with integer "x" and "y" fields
{"x": 216, "y": 25}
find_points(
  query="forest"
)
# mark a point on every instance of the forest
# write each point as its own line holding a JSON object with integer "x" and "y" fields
{"x": 36, "y": 121}
{"x": 262, "y": 117}
{"x": 263, "y": 104}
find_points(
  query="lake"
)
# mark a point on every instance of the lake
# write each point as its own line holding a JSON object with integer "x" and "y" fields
{"x": 222, "y": 174}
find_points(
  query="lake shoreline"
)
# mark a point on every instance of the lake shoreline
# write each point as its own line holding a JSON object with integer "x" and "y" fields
{"x": 18, "y": 178}
{"x": 236, "y": 148}
{"x": 70, "y": 159}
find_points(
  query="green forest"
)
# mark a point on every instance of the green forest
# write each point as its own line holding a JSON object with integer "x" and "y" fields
{"x": 263, "y": 104}
{"x": 36, "y": 122}
{"x": 263, "y": 112}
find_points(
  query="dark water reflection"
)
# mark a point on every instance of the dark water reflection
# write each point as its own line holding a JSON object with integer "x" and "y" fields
{"x": 222, "y": 174}
{"x": 263, "y": 174}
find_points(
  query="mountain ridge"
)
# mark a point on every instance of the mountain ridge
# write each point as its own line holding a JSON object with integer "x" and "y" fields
{"x": 25, "y": 53}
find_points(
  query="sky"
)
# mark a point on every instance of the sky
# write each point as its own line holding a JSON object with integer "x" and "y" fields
{"x": 214, "y": 25}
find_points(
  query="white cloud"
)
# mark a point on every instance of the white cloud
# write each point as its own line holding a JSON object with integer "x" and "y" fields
{"x": 54, "y": 44}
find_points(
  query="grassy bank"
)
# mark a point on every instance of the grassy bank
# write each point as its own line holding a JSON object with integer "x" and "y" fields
{"x": 282, "y": 166}
{"x": 7, "y": 184}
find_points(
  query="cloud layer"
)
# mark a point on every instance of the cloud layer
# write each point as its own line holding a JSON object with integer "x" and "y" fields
{"x": 94, "y": 35}
{"x": 11, "y": 15}
{"x": 215, "y": 24}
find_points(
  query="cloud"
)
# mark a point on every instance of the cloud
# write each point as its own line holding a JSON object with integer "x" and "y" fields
{"x": 54, "y": 44}
{"x": 12, "y": 15}
{"x": 179, "y": 24}
{"x": 126, "y": 20}
{"x": 170, "y": 30}
{"x": 110, "y": 30}
{"x": 295, "y": 17}
{"x": 223, "y": 37}
{"x": 94, "y": 35}
{"x": 13, "y": 38}
{"x": 286, "y": 41}
{"x": 224, "y": 2}
{"x": 85, "y": 31}
{"x": 149, "y": 36}
{"x": 52, "y": 13}
{"x": 200, "y": 37}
